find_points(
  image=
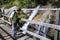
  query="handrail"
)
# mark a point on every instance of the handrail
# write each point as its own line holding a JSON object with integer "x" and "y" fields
{"x": 44, "y": 24}
{"x": 41, "y": 9}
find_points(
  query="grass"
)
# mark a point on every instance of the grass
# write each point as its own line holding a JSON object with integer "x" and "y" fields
{"x": 12, "y": 3}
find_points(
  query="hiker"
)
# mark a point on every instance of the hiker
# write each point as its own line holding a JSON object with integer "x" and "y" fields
{"x": 14, "y": 19}
{"x": 15, "y": 16}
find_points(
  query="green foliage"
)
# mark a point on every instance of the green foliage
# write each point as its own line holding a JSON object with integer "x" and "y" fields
{"x": 25, "y": 3}
{"x": 5, "y": 1}
{"x": 19, "y": 3}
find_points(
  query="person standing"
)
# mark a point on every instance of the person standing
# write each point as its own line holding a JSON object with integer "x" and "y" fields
{"x": 14, "y": 19}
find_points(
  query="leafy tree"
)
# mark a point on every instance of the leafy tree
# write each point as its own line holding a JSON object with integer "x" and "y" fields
{"x": 25, "y": 3}
{"x": 5, "y": 1}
